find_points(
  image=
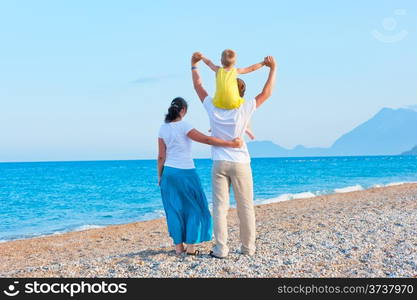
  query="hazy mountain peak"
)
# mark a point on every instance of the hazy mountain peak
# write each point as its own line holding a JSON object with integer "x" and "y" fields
{"x": 396, "y": 108}
{"x": 411, "y": 107}
{"x": 390, "y": 131}
{"x": 410, "y": 152}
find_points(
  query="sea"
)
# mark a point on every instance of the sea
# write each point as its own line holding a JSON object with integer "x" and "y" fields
{"x": 45, "y": 198}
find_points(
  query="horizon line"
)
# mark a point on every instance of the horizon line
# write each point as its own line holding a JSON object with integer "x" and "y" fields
{"x": 199, "y": 158}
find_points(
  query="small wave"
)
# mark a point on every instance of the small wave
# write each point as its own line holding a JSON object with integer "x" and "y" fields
{"x": 53, "y": 233}
{"x": 159, "y": 213}
{"x": 83, "y": 227}
{"x": 396, "y": 183}
{"x": 348, "y": 189}
{"x": 305, "y": 160}
{"x": 286, "y": 197}
{"x": 392, "y": 183}
{"x": 21, "y": 237}
{"x": 353, "y": 188}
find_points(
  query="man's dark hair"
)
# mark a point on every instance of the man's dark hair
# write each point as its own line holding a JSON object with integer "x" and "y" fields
{"x": 241, "y": 86}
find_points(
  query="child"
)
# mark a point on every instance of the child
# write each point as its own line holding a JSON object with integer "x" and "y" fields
{"x": 227, "y": 94}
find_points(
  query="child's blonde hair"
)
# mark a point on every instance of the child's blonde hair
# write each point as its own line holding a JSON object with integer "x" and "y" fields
{"x": 228, "y": 58}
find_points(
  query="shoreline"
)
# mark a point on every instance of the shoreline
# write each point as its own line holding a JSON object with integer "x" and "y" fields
{"x": 280, "y": 198}
{"x": 363, "y": 233}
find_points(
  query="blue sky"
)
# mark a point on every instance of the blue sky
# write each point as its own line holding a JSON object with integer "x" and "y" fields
{"x": 87, "y": 80}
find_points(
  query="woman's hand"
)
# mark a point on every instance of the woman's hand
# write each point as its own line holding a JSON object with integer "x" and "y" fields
{"x": 237, "y": 143}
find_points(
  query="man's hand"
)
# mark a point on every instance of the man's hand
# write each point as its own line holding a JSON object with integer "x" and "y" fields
{"x": 197, "y": 82}
{"x": 197, "y": 56}
{"x": 270, "y": 62}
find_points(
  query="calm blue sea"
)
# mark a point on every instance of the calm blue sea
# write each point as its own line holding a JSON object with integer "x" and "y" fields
{"x": 54, "y": 197}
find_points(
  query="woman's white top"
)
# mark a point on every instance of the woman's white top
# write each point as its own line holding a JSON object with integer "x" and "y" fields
{"x": 178, "y": 154}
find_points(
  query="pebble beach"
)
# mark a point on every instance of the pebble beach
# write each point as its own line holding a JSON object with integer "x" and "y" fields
{"x": 370, "y": 233}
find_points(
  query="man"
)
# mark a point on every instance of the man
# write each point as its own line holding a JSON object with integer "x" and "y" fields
{"x": 232, "y": 166}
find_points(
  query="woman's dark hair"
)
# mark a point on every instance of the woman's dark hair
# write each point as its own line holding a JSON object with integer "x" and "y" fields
{"x": 174, "y": 110}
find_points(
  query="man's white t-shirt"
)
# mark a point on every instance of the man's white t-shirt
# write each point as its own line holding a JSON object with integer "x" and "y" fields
{"x": 178, "y": 154}
{"x": 228, "y": 124}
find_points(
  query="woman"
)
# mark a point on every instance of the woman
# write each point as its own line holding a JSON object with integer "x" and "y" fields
{"x": 187, "y": 214}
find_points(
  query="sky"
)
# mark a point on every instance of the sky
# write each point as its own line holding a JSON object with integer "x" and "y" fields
{"x": 92, "y": 80}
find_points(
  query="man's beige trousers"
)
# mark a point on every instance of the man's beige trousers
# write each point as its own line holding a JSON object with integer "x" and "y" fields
{"x": 239, "y": 175}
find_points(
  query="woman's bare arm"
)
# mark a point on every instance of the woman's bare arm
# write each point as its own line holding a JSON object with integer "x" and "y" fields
{"x": 199, "y": 137}
{"x": 162, "y": 152}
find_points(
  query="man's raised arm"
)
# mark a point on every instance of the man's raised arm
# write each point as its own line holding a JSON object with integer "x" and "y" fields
{"x": 267, "y": 90}
{"x": 197, "y": 82}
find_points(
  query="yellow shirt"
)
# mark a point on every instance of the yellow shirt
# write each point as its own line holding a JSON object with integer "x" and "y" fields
{"x": 227, "y": 92}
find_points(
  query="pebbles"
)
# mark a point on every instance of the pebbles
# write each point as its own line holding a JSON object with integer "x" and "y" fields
{"x": 360, "y": 234}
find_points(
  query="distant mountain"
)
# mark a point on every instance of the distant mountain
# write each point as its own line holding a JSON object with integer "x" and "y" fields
{"x": 389, "y": 132}
{"x": 269, "y": 149}
{"x": 410, "y": 152}
{"x": 266, "y": 149}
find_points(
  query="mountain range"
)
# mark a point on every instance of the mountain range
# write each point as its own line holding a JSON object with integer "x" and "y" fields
{"x": 410, "y": 152}
{"x": 389, "y": 132}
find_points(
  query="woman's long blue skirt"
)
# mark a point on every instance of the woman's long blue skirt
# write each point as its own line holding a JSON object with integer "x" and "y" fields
{"x": 188, "y": 217}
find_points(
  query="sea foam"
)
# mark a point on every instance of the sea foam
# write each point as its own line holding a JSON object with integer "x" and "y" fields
{"x": 348, "y": 189}
{"x": 395, "y": 183}
{"x": 84, "y": 227}
{"x": 286, "y": 197}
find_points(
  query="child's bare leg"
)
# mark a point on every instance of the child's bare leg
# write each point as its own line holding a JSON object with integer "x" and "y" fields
{"x": 250, "y": 134}
{"x": 249, "y": 131}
